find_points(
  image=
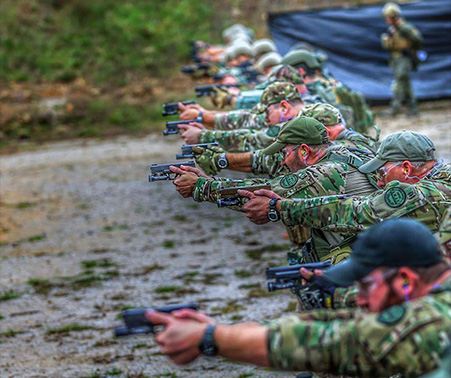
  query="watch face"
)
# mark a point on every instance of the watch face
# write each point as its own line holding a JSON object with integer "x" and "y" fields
{"x": 222, "y": 162}
{"x": 273, "y": 216}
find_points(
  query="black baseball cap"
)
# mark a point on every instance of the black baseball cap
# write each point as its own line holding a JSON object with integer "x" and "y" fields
{"x": 392, "y": 243}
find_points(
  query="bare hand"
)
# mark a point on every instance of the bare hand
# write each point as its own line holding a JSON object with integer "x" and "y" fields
{"x": 258, "y": 206}
{"x": 191, "y": 133}
{"x": 191, "y": 106}
{"x": 180, "y": 338}
{"x": 307, "y": 275}
{"x": 184, "y": 184}
{"x": 188, "y": 112}
{"x": 188, "y": 313}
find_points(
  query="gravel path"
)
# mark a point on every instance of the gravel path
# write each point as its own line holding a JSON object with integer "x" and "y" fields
{"x": 84, "y": 235}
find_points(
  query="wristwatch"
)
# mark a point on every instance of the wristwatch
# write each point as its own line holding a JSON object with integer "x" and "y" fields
{"x": 222, "y": 161}
{"x": 273, "y": 214}
{"x": 208, "y": 345}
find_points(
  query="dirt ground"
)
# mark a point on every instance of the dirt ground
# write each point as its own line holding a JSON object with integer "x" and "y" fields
{"x": 85, "y": 235}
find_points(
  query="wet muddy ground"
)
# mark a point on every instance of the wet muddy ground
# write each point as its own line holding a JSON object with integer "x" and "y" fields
{"x": 84, "y": 235}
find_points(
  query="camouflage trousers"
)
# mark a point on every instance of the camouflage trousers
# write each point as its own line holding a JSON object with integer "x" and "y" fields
{"x": 401, "y": 86}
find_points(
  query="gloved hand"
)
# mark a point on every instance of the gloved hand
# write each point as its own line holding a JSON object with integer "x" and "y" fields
{"x": 318, "y": 293}
{"x": 220, "y": 97}
{"x": 207, "y": 158}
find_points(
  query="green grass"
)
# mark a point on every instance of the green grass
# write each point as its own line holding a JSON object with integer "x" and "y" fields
{"x": 8, "y": 295}
{"x": 36, "y": 238}
{"x": 74, "y": 327}
{"x": 10, "y": 333}
{"x": 167, "y": 289}
{"x": 101, "y": 263}
{"x": 25, "y": 205}
{"x": 168, "y": 244}
{"x": 107, "y": 41}
{"x": 243, "y": 273}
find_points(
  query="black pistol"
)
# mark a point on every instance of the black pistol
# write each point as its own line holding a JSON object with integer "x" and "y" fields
{"x": 161, "y": 172}
{"x": 288, "y": 277}
{"x": 171, "y": 108}
{"x": 206, "y": 90}
{"x": 135, "y": 321}
{"x": 230, "y": 196}
{"x": 187, "y": 150}
{"x": 171, "y": 127}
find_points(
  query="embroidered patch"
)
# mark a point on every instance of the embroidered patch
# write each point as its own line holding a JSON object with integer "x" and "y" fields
{"x": 392, "y": 315}
{"x": 288, "y": 181}
{"x": 273, "y": 131}
{"x": 395, "y": 197}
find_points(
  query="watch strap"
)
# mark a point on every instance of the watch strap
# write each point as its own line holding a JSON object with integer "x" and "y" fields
{"x": 208, "y": 345}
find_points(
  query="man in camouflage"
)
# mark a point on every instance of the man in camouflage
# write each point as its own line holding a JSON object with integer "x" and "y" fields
{"x": 404, "y": 285}
{"x": 280, "y": 102}
{"x": 414, "y": 183}
{"x": 247, "y": 119}
{"x": 403, "y": 41}
{"x": 260, "y": 163}
{"x": 316, "y": 168}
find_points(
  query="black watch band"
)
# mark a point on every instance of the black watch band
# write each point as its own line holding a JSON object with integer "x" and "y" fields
{"x": 208, "y": 345}
{"x": 200, "y": 117}
{"x": 273, "y": 214}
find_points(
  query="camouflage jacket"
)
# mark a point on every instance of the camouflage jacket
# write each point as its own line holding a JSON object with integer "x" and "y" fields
{"x": 425, "y": 201}
{"x": 331, "y": 175}
{"x": 408, "y": 338}
{"x": 271, "y": 164}
{"x": 240, "y": 140}
{"x": 404, "y": 36}
{"x": 326, "y": 91}
{"x": 354, "y": 139}
{"x": 239, "y": 119}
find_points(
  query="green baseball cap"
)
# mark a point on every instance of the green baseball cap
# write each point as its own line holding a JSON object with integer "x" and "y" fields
{"x": 327, "y": 114}
{"x": 298, "y": 131}
{"x": 392, "y": 243}
{"x": 275, "y": 93}
{"x": 405, "y": 145}
{"x": 297, "y": 57}
{"x": 284, "y": 72}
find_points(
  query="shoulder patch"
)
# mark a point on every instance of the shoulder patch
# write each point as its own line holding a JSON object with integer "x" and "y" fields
{"x": 288, "y": 181}
{"x": 392, "y": 315}
{"x": 395, "y": 197}
{"x": 273, "y": 131}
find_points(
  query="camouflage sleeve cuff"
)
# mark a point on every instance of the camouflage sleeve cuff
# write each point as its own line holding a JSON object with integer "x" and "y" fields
{"x": 207, "y": 136}
{"x": 205, "y": 190}
{"x": 345, "y": 297}
{"x": 285, "y": 212}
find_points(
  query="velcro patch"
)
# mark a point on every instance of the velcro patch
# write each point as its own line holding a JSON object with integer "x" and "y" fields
{"x": 288, "y": 181}
{"x": 395, "y": 197}
{"x": 392, "y": 315}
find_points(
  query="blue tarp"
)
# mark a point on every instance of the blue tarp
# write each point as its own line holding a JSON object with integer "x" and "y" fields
{"x": 350, "y": 37}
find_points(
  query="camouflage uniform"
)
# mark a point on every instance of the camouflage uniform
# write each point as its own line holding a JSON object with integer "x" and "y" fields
{"x": 407, "y": 338}
{"x": 271, "y": 164}
{"x": 240, "y": 140}
{"x": 238, "y": 119}
{"x": 404, "y": 42}
{"x": 326, "y": 92}
{"x": 333, "y": 174}
{"x": 425, "y": 201}
{"x": 251, "y": 140}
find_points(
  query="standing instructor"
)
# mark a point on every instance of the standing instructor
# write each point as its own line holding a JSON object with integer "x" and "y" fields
{"x": 403, "y": 41}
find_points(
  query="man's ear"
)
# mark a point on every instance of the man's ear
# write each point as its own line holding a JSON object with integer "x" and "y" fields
{"x": 407, "y": 168}
{"x": 405, "y": 282}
